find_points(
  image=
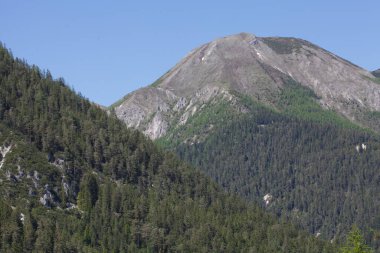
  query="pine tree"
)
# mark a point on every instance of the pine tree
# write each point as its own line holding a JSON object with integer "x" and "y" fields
{"x": 355, "y": 243}
{"x": 88, "y": 195}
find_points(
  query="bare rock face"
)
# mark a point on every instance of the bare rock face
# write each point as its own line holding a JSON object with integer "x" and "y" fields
{"x": 338, "y": 82}
{"x": 252, "y": 66}
{"x": 147, "y": 110}
{"x": 4, "y": 150}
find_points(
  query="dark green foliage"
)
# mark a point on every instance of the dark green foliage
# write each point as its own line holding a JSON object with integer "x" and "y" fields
{"x": 26, "y": 173}
{"x": 355, "y": 243}
{"x": 284, "y": 45}
{"x": 298, "y": 101}
{"x": 294, "y": 101}
{"x": 213, "y": 114}
{"x": 88, "y": 194}
{"x": 132, "y": 197}
{"x": 311, "y": 167}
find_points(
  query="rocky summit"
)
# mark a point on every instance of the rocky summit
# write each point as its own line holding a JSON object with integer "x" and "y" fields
{"x": 255, "y": 66}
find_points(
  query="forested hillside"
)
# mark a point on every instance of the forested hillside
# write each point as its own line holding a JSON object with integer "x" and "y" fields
{"x": 74, "y": 179}
{"x": 299, "y": 162}
{"x": 280, "y": 121}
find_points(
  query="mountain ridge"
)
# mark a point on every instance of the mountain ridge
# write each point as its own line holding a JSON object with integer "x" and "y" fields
{"x": 255, "y": 66}
{"x": 274, "y": 119}
{"x": 73, "y": 178}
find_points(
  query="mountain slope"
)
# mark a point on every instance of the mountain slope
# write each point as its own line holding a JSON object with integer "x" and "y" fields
{"x": 257, "y": 67}
{"x": 273, "y": 118}
{"x": 317, "y": 175}
{"x": 376, "y": 73}
{"x": 77, "y": 180}
{"x": 313, "y": 169}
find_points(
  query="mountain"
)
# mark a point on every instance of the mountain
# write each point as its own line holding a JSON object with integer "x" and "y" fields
{"x": 253, "y": 66}
{"x": 376, "y": 73}
{"x": 75, "y": 179}
{"x": 279, "y": 121}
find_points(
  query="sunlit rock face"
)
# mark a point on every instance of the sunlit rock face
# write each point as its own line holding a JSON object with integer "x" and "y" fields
{"x": 253, "y": 66}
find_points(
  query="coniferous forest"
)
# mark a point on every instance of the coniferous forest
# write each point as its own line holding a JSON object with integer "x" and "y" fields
{"x": 320, "y": 174}
{"x": 75, "y": 179}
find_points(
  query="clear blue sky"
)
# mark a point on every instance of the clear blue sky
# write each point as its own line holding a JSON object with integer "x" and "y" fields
{"x": 105, "y": 49}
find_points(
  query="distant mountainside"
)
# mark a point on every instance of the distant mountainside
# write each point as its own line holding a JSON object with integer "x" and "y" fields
{"x": 376, "y": 73}
{"x": 253, "y": 66}
{"x": 74, "y": 179}
{"x": 279, "y": 121}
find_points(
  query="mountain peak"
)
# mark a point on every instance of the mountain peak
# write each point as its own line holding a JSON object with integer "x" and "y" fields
{"x": 255, "y": 66}
{"x": 244, "y": 36}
